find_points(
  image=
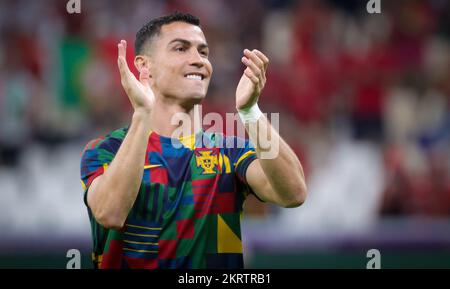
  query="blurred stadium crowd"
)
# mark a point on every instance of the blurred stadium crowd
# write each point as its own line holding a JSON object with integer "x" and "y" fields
{"x": 363, "y": 99}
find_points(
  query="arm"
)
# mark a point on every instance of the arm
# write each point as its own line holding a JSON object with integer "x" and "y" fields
{"x": 112, "y": 195}
{"x": 278, "y": 180}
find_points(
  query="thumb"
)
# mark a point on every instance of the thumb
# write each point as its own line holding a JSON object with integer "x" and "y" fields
{"x": 144, "y": 76}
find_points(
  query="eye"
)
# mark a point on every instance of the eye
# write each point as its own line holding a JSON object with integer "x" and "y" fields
{"x": 180, "y": 49}
{"x": 204, "y": 53}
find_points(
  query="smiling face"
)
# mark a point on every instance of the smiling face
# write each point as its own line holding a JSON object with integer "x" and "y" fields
{"x": 178, "y": 61}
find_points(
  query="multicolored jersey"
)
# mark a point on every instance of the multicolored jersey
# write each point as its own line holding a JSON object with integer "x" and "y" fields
{"x": 188, "y": 208}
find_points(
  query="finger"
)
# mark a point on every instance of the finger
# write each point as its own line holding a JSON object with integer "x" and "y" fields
{"x": 125, "y": 73}
{"x": 250, "y": 64}
{"x": 263, "y": 57}
{"x": 123, "y": 49}
{"x": 121, "y": 57}
{"x": 251, "y": 55}
{"x": 144, "y": 76}
{"x": 255, "y": 69}
{"x": 251, "y": 76}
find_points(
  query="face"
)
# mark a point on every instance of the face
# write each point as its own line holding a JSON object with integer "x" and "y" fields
{"x": 178, "y": 62}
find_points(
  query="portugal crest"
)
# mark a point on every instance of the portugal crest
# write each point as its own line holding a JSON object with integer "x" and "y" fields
{"x": 207, "y": 160}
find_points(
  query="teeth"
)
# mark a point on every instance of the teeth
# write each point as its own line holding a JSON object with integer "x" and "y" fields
{"x": 194, "y": 76}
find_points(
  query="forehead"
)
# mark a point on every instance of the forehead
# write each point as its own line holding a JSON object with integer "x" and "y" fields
{"x": 181, "y": 30}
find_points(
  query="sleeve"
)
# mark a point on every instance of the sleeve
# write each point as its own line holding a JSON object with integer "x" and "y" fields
{"x": 243, "y": 158}
{"x": 96, "y": 157}
{"x": 242, "y": 155}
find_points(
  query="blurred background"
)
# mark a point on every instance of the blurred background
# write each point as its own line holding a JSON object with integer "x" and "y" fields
{"x": 363, "y": 100}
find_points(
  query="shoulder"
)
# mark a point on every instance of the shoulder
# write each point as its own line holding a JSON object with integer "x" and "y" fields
{"x": 110, "y": 142}
{"x": 230, "y": 142}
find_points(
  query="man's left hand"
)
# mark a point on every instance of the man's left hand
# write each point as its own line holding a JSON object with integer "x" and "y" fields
{"x": 253, "y": 80}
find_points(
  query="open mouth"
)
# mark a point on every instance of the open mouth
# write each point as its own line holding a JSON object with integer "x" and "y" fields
{"x": 195, "y": 76}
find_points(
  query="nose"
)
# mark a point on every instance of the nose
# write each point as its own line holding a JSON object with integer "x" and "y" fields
{"x": 195, "y": 59}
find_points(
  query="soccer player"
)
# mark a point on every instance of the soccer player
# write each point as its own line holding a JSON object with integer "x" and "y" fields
{"x": 155, "y": 201}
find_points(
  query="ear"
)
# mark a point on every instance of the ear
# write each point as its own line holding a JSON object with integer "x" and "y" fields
{"x": 141, "y": 61}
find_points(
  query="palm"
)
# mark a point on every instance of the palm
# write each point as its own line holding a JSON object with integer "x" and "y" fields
{"x": 246, "y": 93}
{"x": 139, "y": 91}
{"x": 253, "y": 80}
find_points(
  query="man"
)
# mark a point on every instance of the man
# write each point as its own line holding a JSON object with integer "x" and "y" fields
{"x": 153, "y": 204}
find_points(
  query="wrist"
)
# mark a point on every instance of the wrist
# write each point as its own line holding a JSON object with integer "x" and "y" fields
{"x": 250, "y": 114}
{"x": 141, "y": 113}
{"x": 141, "y": 117}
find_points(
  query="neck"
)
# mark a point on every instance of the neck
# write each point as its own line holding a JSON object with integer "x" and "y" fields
{"x": 175, "y": 120}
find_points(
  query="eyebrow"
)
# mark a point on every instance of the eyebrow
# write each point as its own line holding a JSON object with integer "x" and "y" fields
{"x": 186, "y": 42}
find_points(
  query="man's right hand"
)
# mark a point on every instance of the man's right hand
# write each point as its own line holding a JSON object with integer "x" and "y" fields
{"x": 139, "y": 91}
{"x": 111, "y": 196}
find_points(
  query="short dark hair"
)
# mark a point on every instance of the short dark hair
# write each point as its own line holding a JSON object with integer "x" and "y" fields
{"x": 153, "y": 27}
